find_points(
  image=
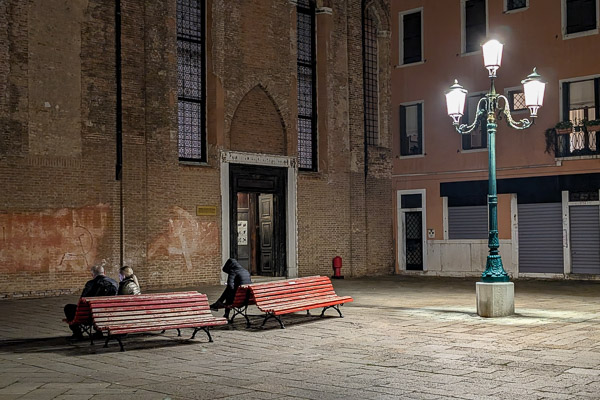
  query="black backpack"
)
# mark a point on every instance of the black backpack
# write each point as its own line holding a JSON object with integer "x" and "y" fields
{"x": 103, "y": 287}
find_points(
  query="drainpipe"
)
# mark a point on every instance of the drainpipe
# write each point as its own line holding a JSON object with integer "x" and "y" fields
{"x": 119, "y": 124}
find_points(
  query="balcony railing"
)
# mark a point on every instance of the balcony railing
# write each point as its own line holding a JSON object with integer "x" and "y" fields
{"x": 579, "y": 142}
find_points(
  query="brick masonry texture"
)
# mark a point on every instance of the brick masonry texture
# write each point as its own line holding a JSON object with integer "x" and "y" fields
{"x": 61, "y": 208}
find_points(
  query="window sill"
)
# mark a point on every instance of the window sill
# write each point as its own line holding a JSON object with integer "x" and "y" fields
{"x": 474, "y": 150}
{"x": 567, "y": 36}
{"x": 409, "y": 64}
{"x": 516, "y": 10}
{"x": 472, "y": 53}
{"x": 203, "y": 164}
{"x": 401, "y": 157}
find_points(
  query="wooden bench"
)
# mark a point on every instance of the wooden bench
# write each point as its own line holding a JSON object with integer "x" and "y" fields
{"x": 277, "y": 298}
{"x": 120, "y": 315}
{"x": 240, "y": 304}
{"x": 83, "y": 317}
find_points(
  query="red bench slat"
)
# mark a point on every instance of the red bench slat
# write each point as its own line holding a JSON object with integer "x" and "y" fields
{"x": 293, "y": 295}
{"x": 153, "y": 312}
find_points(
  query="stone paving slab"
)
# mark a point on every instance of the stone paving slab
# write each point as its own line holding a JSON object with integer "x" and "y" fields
{"x": 402, "y": 338}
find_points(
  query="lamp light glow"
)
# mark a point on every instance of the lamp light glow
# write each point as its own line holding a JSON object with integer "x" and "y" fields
{"x": 455, "y": 102}
{"x": 533, "y": 88}
{"x": 492, "y": 56}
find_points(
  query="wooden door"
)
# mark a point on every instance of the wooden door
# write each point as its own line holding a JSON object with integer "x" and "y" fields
{"x": 265, "y": 212}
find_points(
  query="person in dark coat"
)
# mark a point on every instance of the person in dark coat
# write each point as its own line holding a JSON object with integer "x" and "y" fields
{"x": 129, "y": 283}
{"x": 236, "y": 276}
{"x": 100, "y": 285}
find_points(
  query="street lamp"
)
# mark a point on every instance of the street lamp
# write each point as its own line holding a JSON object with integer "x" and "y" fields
{"x": 490, "y": 107}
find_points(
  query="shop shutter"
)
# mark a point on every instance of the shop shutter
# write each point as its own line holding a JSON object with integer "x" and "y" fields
{"x": 468, "y": 222}
{"x": 540, "y": 238}
{"x": 585, "y": 239}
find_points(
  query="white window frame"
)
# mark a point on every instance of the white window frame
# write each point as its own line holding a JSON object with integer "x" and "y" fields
{"x": 401, "y": 15}
{"x": 570, "y": 80}
{"x": 407, "y": 104}
{"x": 460, "y": 136}
{"x": 463, "y": 32}
{"x": 505, "y": 9}
{"x": 507, "y": 92}
{"x": 563, "y": 11}
{"x": 401, "y": 230}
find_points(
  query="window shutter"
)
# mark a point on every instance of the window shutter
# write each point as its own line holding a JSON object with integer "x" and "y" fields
{"x": 412, "y": 37}
{"x": 566, "y": 102}
{"x": 403, "y": 139}
{"x": 597, "y": 97}
{"x": 475, "y": 26}
{"x": 420, "y": 123}
{"x": 581, "y": 15}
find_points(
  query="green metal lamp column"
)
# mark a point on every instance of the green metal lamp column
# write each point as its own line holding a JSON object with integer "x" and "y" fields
{"x": 494, "y": 271}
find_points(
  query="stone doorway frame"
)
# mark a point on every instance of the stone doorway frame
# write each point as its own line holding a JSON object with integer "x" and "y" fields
{"x": 291, "y": 246}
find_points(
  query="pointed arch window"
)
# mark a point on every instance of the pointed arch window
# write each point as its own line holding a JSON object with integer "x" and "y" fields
{"x": 370, "y": 77}
{"x": 191, "y": 84}
{"x": 307, "y": 86}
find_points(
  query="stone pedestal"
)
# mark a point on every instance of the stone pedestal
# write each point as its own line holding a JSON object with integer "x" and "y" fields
{"x": 495, "y": 299}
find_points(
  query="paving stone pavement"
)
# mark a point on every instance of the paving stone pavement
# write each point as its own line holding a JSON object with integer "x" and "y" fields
{"x": 402, "y": 338}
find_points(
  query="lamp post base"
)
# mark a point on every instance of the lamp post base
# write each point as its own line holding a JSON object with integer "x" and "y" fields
{"x": 495, "y": 299}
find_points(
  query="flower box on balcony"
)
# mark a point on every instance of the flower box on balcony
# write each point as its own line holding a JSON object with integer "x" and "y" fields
{"x": 564, "y": 127}
{"x": 593, "y": 125}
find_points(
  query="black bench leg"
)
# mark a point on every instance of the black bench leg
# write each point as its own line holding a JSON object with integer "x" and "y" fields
{"x": 307, "y": 312}
{"x": 336, "y": 308}
{"x": 205, "y": 329}
{"x": 178, "y": 332}
{"x": 247, "y": 320}
{"x": 271, "y": 315}
{"x": 120, "y": 343}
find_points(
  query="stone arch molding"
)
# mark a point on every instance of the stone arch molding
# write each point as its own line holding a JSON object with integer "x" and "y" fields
{"x": 381, "y": 14}
{"x": 237, "y": 95}
{"x": 257, "y": 125}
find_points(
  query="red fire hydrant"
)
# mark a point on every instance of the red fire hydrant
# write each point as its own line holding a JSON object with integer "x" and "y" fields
{"x": 337, "y": 268}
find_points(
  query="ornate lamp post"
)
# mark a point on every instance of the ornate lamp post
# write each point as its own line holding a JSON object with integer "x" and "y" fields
{"x": 490, "y": 106}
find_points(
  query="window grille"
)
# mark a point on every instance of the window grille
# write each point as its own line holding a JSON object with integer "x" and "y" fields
{"x": 581, "y": 15}
{"x": 307, "y": 100}
{"x": 191, "y": 80}
{"x": 371, "y": 87}
{"x": 516, "y": 98}
{"x": 475, "y": 24}
{"x": 515, "y": 4}
{"x": 411, "y": 38}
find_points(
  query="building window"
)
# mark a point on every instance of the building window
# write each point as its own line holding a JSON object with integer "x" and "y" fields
{"x": 307, "y": 90}
{"x": 191, "y": 85}
{"x": 581, "y": 16}
{"x": 516, "y": 100}
{"x": 371, "y": 87}
{"x": 411, "y": 31}
{"x": 511, "y": 5}
{"x": 411, "y": 129}
{"x": 580, "y": 102}
{"x": 478, "y": 138}
{"x": 475, "y": 24}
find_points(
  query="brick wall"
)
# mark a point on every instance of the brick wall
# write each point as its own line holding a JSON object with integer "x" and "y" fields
{"x": 61, "y": 198}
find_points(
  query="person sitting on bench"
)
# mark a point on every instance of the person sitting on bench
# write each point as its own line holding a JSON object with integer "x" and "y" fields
{"x": 236, "y": 276}
{"x": 100, "y": 285}
{"x": 129, "y": 283}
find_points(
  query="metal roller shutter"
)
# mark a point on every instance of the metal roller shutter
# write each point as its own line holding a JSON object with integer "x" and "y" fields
{"x": 585, "y": 239}
{"x": 540, "y": 238}
{"x": 469, "y": 222}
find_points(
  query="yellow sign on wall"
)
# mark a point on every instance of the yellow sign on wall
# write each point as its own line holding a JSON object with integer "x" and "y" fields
{"x": 206, "y": 210}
